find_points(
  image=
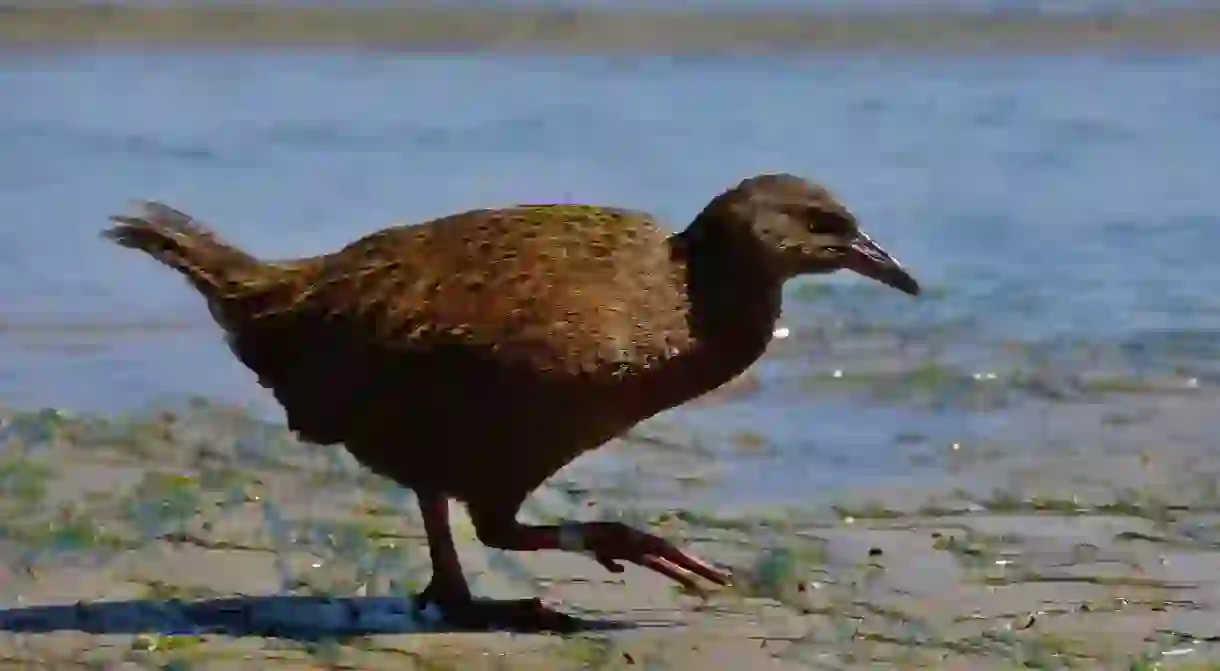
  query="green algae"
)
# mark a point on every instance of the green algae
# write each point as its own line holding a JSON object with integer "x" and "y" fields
{"x": 707, "y": 520}
{"x": 70, "y": 530}
{"x": 781, "y": 573}
{"x": 163, "y": 500}
{"x": 165, "y": 643}
{"x": 588, "y": 651}
{"x": 866, "y": 511}
{"x": 24, "y": 482}
{"x": 971, "y": 547}
{"x": 160, "y": 590}
{"x": 32, "y": 427}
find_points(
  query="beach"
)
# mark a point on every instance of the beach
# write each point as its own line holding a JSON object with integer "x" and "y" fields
{"x": 1017, "y": 470}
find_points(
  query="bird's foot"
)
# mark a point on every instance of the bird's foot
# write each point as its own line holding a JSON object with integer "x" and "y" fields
{"x": 610, "y": 542}
{"x": 462, "y": 611}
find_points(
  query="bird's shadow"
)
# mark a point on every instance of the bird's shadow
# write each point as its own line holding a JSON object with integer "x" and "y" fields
{"x": 304, "y": 618}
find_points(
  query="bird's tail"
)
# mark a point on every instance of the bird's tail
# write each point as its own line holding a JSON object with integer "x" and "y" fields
{"x": 176, "y": 239}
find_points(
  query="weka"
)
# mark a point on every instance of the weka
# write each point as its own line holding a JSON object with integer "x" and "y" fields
{"x": 475, "y": 355}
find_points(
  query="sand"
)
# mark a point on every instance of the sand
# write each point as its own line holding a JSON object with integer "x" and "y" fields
{"x": 202, "y": 538}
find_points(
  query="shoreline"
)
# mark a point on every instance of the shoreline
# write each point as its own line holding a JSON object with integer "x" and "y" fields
{"x": 653, "y": 32}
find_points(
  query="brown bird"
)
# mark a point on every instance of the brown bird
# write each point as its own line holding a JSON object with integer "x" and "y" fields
{"x": 473, "y": 356}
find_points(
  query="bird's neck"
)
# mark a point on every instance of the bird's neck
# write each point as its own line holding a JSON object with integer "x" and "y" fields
{"x": 734, "y": 301}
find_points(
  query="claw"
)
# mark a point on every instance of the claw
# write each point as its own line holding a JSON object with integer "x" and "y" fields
{"x": 609, "y": 564}
{"x": 675, "y": 573}
{"x": 658, "y": 555}
{"x": 699, "y": 567}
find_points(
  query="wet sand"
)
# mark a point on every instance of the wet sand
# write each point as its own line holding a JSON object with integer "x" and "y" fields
{"x": 575, "y": 31}
{"x": 240, "y": 546}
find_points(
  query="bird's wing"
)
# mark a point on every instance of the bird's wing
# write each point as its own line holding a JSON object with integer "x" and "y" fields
{"x": 561, "y": 288}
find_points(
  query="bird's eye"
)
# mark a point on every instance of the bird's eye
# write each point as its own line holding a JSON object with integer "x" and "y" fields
{"x": 831, "y": 222}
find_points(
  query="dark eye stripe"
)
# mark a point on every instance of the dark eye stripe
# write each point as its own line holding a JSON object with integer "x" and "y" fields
{"x": 832, "y": 223}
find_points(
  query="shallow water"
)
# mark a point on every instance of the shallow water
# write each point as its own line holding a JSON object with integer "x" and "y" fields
{"x": 1062, "y": 211}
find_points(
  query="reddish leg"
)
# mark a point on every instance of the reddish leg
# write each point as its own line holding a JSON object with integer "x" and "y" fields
{"x": 608, "y": 542}
{"x": 449, "y": 592}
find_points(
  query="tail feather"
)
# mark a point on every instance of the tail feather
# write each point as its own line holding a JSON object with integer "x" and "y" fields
{"x": 181, "y": 242}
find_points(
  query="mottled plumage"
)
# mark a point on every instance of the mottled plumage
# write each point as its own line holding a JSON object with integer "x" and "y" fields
{"x": 474, "y": 355}
{"x": 560, "y": 289}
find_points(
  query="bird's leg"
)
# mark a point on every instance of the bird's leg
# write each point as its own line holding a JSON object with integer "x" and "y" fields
{"x": 449, "y": 592}
{"x": 447, "y": 584}
{"x": 607, "y": 542}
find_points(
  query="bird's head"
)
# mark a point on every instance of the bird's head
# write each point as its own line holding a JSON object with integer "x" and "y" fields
{"x": 793, "y": 227}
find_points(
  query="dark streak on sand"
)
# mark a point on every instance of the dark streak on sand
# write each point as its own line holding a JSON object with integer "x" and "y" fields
{"x": 422, "y": 29}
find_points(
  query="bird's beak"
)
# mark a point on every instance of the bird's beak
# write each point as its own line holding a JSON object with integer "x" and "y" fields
{"x": 868, "y": 259}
